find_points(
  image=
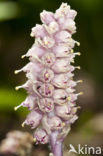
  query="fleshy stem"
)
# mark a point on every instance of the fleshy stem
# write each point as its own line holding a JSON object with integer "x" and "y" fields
{"x": 56, "y": 146}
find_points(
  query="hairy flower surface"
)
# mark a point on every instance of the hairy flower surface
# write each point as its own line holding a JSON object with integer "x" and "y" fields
{"x": 50, "y": 84}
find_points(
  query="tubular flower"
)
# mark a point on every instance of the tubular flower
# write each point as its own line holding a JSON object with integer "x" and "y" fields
{"x": 50, "y": 84}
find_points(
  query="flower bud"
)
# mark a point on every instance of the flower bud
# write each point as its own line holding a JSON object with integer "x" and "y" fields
{"x": 55, "y": 123}
{"x": 33, "y": 119}
{"x": 41, "y": 136}
{"x": 69, "y": 25}
{"x": 47, "y": 42}
{"x": 30, "y": 103}
{"x": 46, "y": 104}
{"x": 52, "y": 27}
{"x": 62, "y": 36}
{"x": 61, "y": 50}
{"x": 46, "y": 90}
{"x": 38, "y": 31}
{"x": 71, "y": 14}
{"x": 48, "y": 59}
{"x": 61, "y": 65}
{"x": 60, "y": 96}
{"x": 63, "y": 111}
{"x": 60, "y": 80}
{"x": 35, "y": 51}
{"x": 47, "y": 75}
{"x": 62, "y": 11}
{"x": 47, "y": 17}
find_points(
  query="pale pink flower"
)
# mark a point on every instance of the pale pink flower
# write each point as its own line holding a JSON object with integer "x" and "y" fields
{"x": 61, "y": 65}
{"x": 46, "y": 104}
{"x": 46, "y": 42}
{"x": 61, "y": 50}
{"x": 52, "y": 27}
{"x": 50, "y": 84}
{"x": 38, "y": 31}
{"x": 55, "y": 123}
{"x": 63, "y": 111}
{"x": 60, "y": 96}
{"x": 47, "y": 17}
{"x": 33, "y": 119}
{"x": 16, "y": 143}
{"x": 62, "y": 36}
{"x": 71, "y": 14}
{"x": 41, "y": 136}
{"x": 48, "y": 59}
{"x": 46, "y": 75}
{"x": 60, "y": 80}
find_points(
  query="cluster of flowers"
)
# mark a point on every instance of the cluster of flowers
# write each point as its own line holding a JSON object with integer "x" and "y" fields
{"x": 16, "y": 143}
{"x": 50, "y": 85}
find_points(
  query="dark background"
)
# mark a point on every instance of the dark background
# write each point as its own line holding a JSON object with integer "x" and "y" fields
{"x": 17, "y": 17}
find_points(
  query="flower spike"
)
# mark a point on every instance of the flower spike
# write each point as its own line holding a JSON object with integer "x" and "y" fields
{"x": 50, "y": 86}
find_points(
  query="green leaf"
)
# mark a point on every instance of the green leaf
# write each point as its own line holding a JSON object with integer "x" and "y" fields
{"x": 8, "y": 10}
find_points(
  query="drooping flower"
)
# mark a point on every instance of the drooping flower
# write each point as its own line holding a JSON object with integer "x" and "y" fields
{"x": 50, "y": 84}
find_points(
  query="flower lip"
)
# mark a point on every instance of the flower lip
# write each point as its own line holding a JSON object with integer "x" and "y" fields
{"x": 48, "y": 59}
{"x": 33, "y": 119}
{"x": 60, "y": 96}
{"x": 46, "y": 90}
{"x": 46, "y": 104}
{"x": 41, "y": 136}
{"x": 46, "y": 75}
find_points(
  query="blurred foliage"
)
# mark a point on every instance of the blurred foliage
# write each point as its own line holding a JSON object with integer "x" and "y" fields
{"x": 8, "y": 98}
{"x": 8, "y": 10}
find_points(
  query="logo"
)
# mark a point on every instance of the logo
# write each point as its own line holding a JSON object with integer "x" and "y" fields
{"x": 85, "y": 149}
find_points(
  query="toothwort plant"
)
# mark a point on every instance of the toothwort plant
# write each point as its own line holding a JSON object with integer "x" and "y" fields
{"x": 50, "y": 85}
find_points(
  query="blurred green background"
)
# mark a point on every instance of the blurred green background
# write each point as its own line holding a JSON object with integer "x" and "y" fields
{"x": 17, "y": 17}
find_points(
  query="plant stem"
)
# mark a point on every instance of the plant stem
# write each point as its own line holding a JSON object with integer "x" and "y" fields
{"x": 56, "y": 146}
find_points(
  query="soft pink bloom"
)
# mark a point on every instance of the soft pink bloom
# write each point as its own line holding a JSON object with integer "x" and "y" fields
{"x": 38, "y": 31}
{"x": 60, "y": 96}
{"x": 30, "y": 102}
{"x": 16, "y": 143}
{"x": 61, "y": 65}
{"x": 61, "y": 50}
{"x": 52, "y": 28}
{"x": 46, "y": 90}
{"x": 62, "y": 11}
{"x": 41, "y": 136}
{"x": 63, "y": 111}
{"x": 50, "y": 84}
{"x": 48, "y": 59}
{"x": 46, "y": 42}
{"x": 35, "y": 51}
{"x": 46, "y": 104}
{"x": 47, "y": 17}
{"x": 71, "y": 14}
{"x": 69, "y": 25}
{"x": 60, "y": 80}
{"x": 55, "y": 123}
{"x": 46, "y": 75}
{"x": 62, "y": 36}
{"x": 33, "y": 119}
